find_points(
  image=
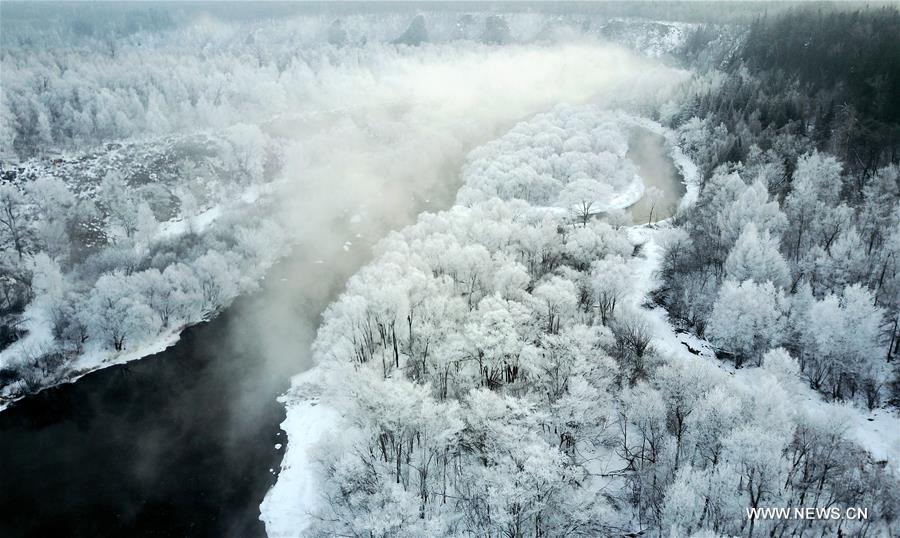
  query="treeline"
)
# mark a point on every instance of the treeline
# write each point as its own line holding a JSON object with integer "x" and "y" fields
{"x": 795, "y": 239}
{"x": 825, "y": 79}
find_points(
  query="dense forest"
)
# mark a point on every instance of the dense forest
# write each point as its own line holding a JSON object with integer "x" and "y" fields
{"x": 136, "y": 202}
{"x": 798, "y": 140}
{"x": 499, "y": 375}
{"x": 830, "y": 79}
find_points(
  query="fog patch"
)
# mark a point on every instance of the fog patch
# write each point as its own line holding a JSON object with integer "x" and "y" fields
{"x": 382, "y": 135}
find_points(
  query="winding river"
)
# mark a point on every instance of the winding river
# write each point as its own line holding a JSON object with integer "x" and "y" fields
{"x": 185, "y": 443}
{"x": 649, "y": 152}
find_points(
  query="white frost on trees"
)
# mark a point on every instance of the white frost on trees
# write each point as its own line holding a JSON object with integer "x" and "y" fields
{"x": 756, "y": 257}
{"x": 483, "y": 392}
{"x": 747, "y": 318}
{"x": 573, "y": 158}
{"x": 116, "y": 315}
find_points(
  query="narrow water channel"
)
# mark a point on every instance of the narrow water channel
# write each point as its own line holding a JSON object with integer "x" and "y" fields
{"x": 648, "y": 151}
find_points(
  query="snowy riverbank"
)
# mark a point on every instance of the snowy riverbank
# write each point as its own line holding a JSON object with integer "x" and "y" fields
{"x": 287, "y": 507}
{"x": 39, "y": 339}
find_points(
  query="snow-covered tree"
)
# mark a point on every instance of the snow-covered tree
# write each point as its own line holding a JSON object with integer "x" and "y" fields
{"x": 557, "y": 301}
{"x": 756, "y": 257}
{"x": 581, "y": 197}
{"x": 116, "y": 314}
{"x": 174, "y": 294}
{"x": 121, "y": 205}
{"x": 748, "y": 319}
{"x": 841, "y": 339}
{"x": 218, "y": 280}
{"x": 13, "y": 223}
{"x": 812, "y": 203}
{"x": 653, "y": 195}
{"x": 610, "y": 282}
{"x": 752, "y": 205}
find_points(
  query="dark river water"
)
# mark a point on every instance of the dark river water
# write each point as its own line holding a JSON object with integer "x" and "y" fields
{"x": 141, "y": 449}
{"x": 177, "y": 444}
{"x": 183, "y": 443}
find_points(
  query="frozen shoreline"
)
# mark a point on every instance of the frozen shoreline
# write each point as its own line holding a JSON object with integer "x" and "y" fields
{"x": 287, "y": 507}
{"x": 90, "y": 360}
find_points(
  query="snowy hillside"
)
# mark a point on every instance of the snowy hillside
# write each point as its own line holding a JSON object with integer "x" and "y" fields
{"x": 125, "y": 213}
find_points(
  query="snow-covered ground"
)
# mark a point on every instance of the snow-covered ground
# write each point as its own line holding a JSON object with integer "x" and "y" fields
{"x": 653, "y": 38}
{"x": 626, "y": 197}
{"x": 287, "y": 508}
{"x": 97, "y": 360}
{"x": 203, "y": 219}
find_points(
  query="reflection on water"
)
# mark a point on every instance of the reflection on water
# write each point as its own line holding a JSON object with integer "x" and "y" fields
{"x": 647, "y": 150}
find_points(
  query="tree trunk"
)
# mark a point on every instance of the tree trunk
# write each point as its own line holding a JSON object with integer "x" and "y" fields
{"x": 396, "y": 351}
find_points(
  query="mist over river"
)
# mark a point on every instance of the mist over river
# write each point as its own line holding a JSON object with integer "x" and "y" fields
{"x": 182, "y": 443}
{"x": 348, "y": 143}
